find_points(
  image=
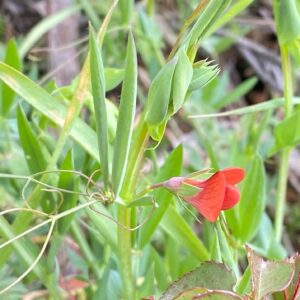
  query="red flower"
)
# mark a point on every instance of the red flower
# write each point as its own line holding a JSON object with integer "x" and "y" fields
{"x": 215, "y": 193}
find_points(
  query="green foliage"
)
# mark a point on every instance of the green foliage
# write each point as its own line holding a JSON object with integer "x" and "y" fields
{"x": 159, "y": 95}
{"x": 68, "y": 182}
{"x": 288, "y": 21}
{"x": 133, "y": 239}
{"x": 181, "y": 81}
{"x": 125, "y": 118}
{"x": 269, "y": 277}
{"x": 98, "y": 88}
{"x": 208, "y": 275}
{"x": 171, "y": 167}
{"x": 12, "y": 59}
{"x": 287, "y": 132}
{"x": 252, "y": 204}
{"x": 32, "y": 148}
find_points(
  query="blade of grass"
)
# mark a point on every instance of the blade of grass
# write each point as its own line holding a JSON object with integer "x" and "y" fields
{"x": 269, "y": 104}
{"x": 13, "y": 59}
{"x": 44, "y": 26}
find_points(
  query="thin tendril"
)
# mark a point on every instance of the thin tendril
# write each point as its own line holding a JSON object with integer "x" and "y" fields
{"x": 122, "y": 225}
{"x": 35, "y": 261}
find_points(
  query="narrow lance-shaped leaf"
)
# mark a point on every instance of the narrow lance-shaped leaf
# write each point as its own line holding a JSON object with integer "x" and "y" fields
{"x": 98, "y": 88}
{"x": 252, "y": 204}
{"x": 208, "y": 17}
{"x": 287, "y": 132}
{"x": 32, "y": 149}
{"x": 126, "y": 117}
{"x": 12, "y": 58}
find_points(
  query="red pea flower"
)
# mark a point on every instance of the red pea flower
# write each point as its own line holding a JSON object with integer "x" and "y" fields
{"x": 216, "y": 193}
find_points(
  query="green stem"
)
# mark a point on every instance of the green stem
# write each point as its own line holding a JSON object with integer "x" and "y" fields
{"x": 124, "y": 247}
{"x": 124, "y": 214}
{"x": 281, "y": 193}
{"x": 284, "y": 158}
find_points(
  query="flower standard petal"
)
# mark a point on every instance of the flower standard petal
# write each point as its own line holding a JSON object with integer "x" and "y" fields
{"x": 233, "y": 175}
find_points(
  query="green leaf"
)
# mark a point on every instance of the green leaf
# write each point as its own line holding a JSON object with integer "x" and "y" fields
{"x": 235, "y": 9}
{"x": 288, "y": 22}
{"x": 126, "y": 10}
{"x": 12, "y": 59}
{"x": 296, "y": 279}
{"x": 252, "y": 203}
{"x": 159, "y": 95}
{"x": 125, "y": 118}
{"x": 98, "y": 88}
{"x": 181, "y": 80}
{"x": 287, "y": 132}
{"x": 209, "y": 275}
{"x": 68, "y": 182}
{"x": 208, "y": 17}
{"x": 176, "y": 227}
{"x": 265, "y": 241}
{"x": 33, "y": 152}
{"x": 268, "y": 276}
{"x": 171, "y": 167}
